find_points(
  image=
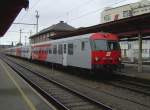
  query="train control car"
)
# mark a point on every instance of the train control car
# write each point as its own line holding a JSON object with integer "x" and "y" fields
{"x": 92, "y": 51}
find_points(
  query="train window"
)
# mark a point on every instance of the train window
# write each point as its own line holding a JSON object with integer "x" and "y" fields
{"x": 99, "y": 45}
{"x": 50, "y": 51}
{"x": 82, "y": 45}
{"x": 60, "y": 49}
{"x": 55, "y": 49}
{"x": 105, "y": 45}
{"x": 64, "y": 48}
{"x": 113, "y": 45}
{"x": 70, "y": 49}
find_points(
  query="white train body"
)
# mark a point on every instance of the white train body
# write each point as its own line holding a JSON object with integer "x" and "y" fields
{"x": 89, "y": 51}
{"x": 67, "y": 51}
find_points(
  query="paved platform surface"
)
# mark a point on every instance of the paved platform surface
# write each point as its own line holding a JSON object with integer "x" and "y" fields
{"x": 132, "y": 70}
{"x": 16, "y": 94}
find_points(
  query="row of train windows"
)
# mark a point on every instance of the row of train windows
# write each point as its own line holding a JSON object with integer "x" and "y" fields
{"x": 56, "y": 50}
{"x": 22, "y": 51}
{"x": 59, "y": 49}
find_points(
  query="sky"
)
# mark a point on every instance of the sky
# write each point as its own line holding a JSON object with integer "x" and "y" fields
{"x": 77, "y": 13}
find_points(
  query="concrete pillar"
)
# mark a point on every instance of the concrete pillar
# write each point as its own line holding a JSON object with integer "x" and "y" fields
{"x": 140, "y": 53}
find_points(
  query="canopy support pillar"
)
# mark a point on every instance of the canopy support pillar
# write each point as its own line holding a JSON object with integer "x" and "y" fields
{"x": 140, "y": 52}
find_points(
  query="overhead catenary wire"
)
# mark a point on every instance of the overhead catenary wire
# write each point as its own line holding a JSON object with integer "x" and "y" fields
{"x": 79, "y": 6}
{"x": 94, "y": 11}
{"x": 24, "y": 16}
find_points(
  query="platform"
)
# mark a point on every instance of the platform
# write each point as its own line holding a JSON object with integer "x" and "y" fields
{"x": 16, "y": 94}
{"x": 131, "y": 70}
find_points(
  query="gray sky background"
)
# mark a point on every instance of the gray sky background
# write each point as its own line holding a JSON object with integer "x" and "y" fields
{"x": 78, "y": 13}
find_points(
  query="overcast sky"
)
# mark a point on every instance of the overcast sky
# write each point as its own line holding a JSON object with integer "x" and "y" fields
{"x": 78, "y": 13}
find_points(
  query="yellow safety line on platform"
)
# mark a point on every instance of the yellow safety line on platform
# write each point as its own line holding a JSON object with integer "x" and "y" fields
{"x": 27, "y": 100}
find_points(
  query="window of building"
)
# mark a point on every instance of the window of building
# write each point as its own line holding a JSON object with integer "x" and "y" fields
{"x": 70, "y": 49}
{"x": 145, "y": 42}
{"x": 107, "y": 18}
{"x": 145, "y": 51}
{"x": 116, "y": 17}
{"x": 127, "y": 13}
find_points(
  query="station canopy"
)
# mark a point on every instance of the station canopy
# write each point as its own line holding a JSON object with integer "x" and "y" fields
{"x": 9, "y": 9}
{"x": 125, "y": 28}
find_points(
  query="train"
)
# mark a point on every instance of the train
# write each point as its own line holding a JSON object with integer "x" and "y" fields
{"x": 93, "y": 51}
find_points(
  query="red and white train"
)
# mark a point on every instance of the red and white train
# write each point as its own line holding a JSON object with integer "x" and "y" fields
{"x": 89, "y": 51}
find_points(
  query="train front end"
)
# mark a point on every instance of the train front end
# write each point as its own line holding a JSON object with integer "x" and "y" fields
{"x": 106, "y": 52}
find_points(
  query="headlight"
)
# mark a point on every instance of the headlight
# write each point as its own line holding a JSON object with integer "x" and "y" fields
{"x": 120, "y": 59}
{"x": 96, "y": 58}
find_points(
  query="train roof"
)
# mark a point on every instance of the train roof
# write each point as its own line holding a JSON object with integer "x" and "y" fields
{"x": 108, "y": 36}
{"x": 64, "y": 39}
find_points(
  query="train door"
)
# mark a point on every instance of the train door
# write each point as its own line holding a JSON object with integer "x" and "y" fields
{"x": 65, "y": 54}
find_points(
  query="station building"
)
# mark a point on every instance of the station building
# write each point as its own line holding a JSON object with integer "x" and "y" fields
{"x": 129, "y": 49}
{"x": 47, "y": 33}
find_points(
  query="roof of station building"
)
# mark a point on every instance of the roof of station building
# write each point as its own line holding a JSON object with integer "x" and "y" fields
{"x": 61, "y": 26}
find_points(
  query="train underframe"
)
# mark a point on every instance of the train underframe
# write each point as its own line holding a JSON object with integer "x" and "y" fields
{"x": 107, "y": 67}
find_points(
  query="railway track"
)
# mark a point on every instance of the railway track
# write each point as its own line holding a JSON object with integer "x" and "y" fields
{"x": 64, "y": 98}
{"x": 132, "y": 84}
{"x": 126, "y": 83}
